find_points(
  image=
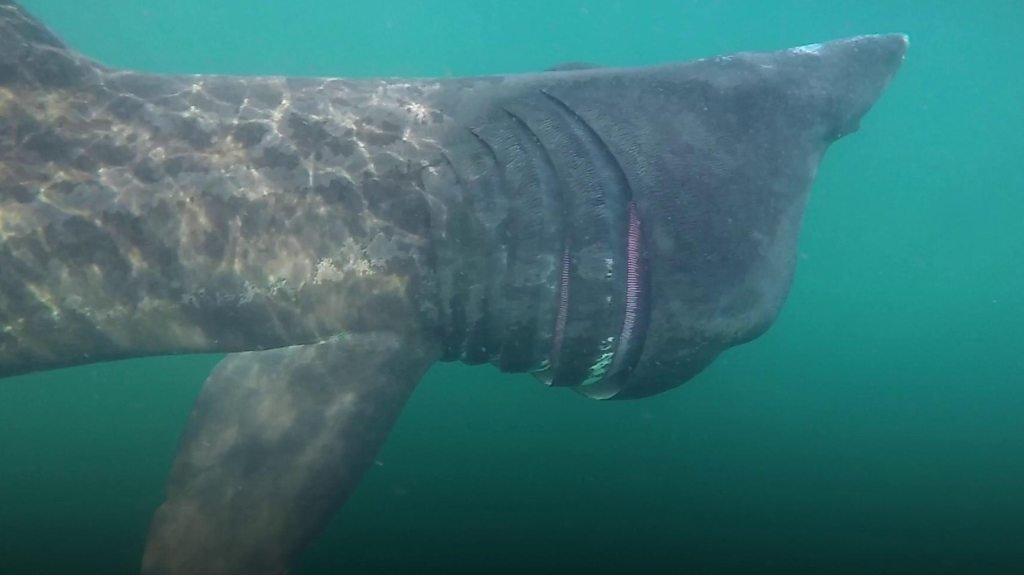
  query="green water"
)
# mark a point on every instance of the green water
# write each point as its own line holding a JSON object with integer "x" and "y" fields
{"x": 878, "y": 426}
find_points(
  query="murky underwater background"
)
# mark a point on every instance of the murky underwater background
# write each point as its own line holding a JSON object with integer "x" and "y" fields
{"x": 878, "y": 426}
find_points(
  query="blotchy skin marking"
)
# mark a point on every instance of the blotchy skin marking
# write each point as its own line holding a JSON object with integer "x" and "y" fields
{"x": 144, "y": 214}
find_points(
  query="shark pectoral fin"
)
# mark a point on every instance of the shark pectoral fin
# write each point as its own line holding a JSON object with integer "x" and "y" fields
{"x": 276, "y": 443}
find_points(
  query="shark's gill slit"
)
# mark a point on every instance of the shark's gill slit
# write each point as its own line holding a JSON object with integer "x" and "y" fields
{"x": 631, "y": 335}
{"x": 563, "y": 307}
{"x": 458, "y": 331}
{"x": 459, "y": 180}
{"x": 564, "y": 262}
{"x": 491, "y": 320}
{"x": 605, "y": 151}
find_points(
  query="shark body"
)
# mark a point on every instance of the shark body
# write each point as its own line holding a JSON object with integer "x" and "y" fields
{"x": 609, "y": 230}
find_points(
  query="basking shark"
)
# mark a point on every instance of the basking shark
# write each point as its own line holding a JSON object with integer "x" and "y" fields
{"x": 608, "y": 230}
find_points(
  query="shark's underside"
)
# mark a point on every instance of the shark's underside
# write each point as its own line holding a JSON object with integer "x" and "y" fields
{"x": 610, "y": 230}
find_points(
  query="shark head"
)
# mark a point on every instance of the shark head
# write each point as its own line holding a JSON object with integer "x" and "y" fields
{"x": 633, "y": 224}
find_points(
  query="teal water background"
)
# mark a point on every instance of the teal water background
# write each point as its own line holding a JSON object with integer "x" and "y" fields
{"x": 878, "y": 426}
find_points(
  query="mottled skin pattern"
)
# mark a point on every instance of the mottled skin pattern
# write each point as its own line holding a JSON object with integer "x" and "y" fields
{"x": 146, "y": 214}
{"x": 344, "y": 235}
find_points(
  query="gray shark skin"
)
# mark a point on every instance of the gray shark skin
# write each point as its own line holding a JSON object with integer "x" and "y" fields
{"x": 609, "y": 230}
